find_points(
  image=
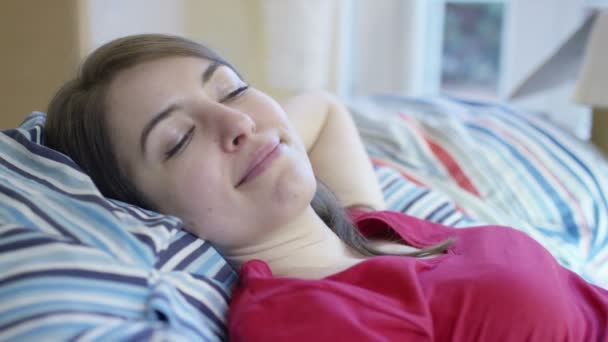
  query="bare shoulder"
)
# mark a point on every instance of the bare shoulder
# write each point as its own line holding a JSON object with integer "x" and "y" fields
{"x": 309, "y": 100}
{"x": 308, "y": 113}
{"x": 335, "y": 148}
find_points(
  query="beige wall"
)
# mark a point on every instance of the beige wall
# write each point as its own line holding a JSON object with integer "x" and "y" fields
{"x": 103, "y": 20}
{"x": 235, "y": 29}
{"x": 39, "y": 52}
{"x": 44, "y": 41}
{"x": 599, "y": 129}
{"x": 232, "y": 27}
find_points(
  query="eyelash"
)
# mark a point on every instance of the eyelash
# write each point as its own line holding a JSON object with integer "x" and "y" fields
{"x": 181, "y": 144}
{"x": 188, "y": 136}
{"x": 235, "y": 93}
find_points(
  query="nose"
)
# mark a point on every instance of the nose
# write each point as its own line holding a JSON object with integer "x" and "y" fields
{"x": 235, "y": 127}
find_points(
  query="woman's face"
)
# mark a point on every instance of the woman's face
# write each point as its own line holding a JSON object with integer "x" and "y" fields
{"x": 200, "y": 145}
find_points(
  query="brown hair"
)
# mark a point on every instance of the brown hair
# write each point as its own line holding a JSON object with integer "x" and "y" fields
{"x": 76, "y": 126}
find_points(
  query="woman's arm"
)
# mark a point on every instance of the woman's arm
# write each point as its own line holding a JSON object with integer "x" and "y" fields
{"x": 335, "y": 149}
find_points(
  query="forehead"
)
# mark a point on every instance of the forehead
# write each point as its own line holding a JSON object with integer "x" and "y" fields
{"x": 149, "y": 85}
{"x": 136, "y": 94}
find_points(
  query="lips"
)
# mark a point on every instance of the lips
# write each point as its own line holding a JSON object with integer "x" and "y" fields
{"x": 259, "y": 157}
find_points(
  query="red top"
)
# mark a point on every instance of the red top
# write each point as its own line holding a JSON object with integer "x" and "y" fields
{"x": 493, "y": 284}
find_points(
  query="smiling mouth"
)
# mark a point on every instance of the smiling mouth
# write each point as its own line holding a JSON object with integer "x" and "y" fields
{"x": 263, "y": 162}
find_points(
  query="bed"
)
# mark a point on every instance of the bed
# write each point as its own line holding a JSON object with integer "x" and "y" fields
{"x": 76, "y": 265}
{"x": 462, "y": 163}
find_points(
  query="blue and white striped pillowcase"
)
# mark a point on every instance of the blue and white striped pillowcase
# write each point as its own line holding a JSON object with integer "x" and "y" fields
{"x": 73, "y": 263}
{"x": 425, "y": 203}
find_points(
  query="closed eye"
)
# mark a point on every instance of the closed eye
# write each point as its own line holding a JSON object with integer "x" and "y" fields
{"x": 235, "y": 93}
{"x": 181, "y": 144}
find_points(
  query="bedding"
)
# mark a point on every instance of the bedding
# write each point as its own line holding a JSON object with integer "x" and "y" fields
{"x": 75, "y": 265}
{"x": 464, "y": 163}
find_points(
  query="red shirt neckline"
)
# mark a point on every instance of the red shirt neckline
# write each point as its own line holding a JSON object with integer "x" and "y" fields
{"x": 412, "y": 232}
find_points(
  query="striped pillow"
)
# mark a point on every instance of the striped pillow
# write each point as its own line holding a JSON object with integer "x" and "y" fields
{"x": 74, "y": 264}
{"x": 405, "y": 194}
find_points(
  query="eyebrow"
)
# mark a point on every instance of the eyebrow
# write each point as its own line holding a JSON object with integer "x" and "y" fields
{"x": 210, "y": 70}
{"x": 165, "y": 113}
{"x": 160, "y": 116}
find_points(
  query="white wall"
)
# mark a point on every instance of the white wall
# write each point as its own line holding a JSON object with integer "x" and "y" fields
{"x": 232, "y": 27}
{"x": 397, "y": 47}
{"x": 385, "y": 40}
{"x": 535, "y": 31}
{"x": 541, "y": 60}
{"x": 104, "y": 20}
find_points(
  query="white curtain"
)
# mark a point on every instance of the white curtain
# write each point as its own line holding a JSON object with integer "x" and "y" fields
{"x": 298, "y": 36}
{"x": 386, "y": 39}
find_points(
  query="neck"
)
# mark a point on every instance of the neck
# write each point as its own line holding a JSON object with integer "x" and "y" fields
{"x": 305, "y": 247}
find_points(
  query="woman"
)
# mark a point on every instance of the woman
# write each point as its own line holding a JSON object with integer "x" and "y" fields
{"x": 165, "y": 123}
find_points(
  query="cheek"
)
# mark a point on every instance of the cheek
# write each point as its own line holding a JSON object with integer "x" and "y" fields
{"x": 294, "y": 196}
{"x": 267, "y": 112}
{"x": 193, "y": 191}
{"x": 202, "y": 207}
{"x": 297, "y": 184}
{"x": 206, "y": 203}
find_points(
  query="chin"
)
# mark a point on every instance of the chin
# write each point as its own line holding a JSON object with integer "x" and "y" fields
{"x": 295, "y": 191}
